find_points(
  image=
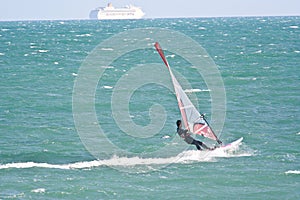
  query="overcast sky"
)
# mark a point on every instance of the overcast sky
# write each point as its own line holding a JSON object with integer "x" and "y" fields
{"x": 79, "y": 9}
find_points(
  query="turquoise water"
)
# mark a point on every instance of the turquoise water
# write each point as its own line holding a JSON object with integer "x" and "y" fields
{"x": 43, "y": 157}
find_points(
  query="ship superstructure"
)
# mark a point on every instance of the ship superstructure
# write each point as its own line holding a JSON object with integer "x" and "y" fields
{"x": 110, "y": 12}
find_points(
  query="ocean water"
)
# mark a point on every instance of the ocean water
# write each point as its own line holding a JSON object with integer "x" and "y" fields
{"x": 42, "y": 150}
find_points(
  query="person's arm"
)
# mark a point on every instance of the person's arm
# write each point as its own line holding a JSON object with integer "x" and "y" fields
{"x": 181, "y": 133}
{"x": 187, "y": 133}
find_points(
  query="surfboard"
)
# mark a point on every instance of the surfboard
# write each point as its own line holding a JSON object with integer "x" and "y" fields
{"x": 231, "y": 145}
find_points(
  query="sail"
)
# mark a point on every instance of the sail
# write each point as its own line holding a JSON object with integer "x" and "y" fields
{"x": 192, "y": 119}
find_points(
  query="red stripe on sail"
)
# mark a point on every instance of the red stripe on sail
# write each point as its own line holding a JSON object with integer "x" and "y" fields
{"x": 161, "y": 53}
{"x": 183, "y": 114}
{"x": 204, "y": 130}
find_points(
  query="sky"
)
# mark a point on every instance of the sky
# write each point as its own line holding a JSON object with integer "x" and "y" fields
{"x": 79, "y": 9}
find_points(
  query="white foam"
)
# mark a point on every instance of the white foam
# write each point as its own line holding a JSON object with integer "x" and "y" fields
{"x": 107, "y": 67}
{"x": 184, "y": 157}
{"x": 43, "y": 50}
{"x": 292, "y": 172}
{"x": 196, "y": 90}
{"x": 170, "y": 56}
{"x": 258, "y": 52}
{"x": 107, "y": 49}
{"x": 84, "y": 35}
{"x": 107, "y": 87}
{"x": 39, "y": 190}
{"x": 202, "y": 28}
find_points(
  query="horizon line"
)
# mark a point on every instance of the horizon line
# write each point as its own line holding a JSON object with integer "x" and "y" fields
{"x": 170, "y": 17}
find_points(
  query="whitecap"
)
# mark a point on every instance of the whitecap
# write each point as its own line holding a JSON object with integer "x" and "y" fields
{"x": 43, "y": 50}
{"x": 202, "y": 28}
{"x": 163, "y": 177}
{"x": 170, "y": 56}
{"x": 258, "y": 52}
{"x": 2, "y": 54}
{"x": 74, "y": 74}
{"x": 107, "y": 87}
{"x": 196, "y": 90}
{"x": 39, "y": 190}
{"x": 84, "y": 35}
{"x": 107, "y": 67}
{"x": 107, "y": 49}
{"x": 294, "y": 27}
{"x": 292, "y": 172}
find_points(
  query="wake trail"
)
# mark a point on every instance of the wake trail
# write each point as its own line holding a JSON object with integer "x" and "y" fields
{"x": 188, "y": 156}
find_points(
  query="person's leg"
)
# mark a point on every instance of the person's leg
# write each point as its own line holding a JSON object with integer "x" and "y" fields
{"x": 196, "y": 143}
{"x": 202, "y": 144}
{"x": 205, "y": 146}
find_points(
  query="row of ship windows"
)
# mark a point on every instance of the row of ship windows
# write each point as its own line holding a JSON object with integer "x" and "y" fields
{"x": 111, "y": 14}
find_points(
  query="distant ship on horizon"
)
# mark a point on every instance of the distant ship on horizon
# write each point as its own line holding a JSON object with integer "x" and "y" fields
{"x": 110, "y": 12}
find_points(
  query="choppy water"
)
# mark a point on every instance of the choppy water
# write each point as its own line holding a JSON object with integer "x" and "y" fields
{"x": 43, "y": 157}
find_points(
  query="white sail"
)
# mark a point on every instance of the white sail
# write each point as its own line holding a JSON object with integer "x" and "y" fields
{"x": 192, "y": 119}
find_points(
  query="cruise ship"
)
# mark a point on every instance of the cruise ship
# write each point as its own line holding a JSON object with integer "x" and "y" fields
{"x": 109, "y": 12}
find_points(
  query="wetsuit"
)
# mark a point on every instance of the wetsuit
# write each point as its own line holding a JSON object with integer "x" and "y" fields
{"x": 188, "y": 139}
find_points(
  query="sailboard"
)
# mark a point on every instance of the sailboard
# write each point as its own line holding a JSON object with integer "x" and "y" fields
{"x": 233, "y": 145}
{"x": 193, "y": 121}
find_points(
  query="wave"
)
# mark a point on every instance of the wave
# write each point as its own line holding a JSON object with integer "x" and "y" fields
{"x": 196, "y": 90}
{"x": 293, "y": 172}
{"x": 188, "y": 156}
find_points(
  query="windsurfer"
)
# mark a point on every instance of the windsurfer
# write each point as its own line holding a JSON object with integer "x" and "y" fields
{"x": 183, "y": 133}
